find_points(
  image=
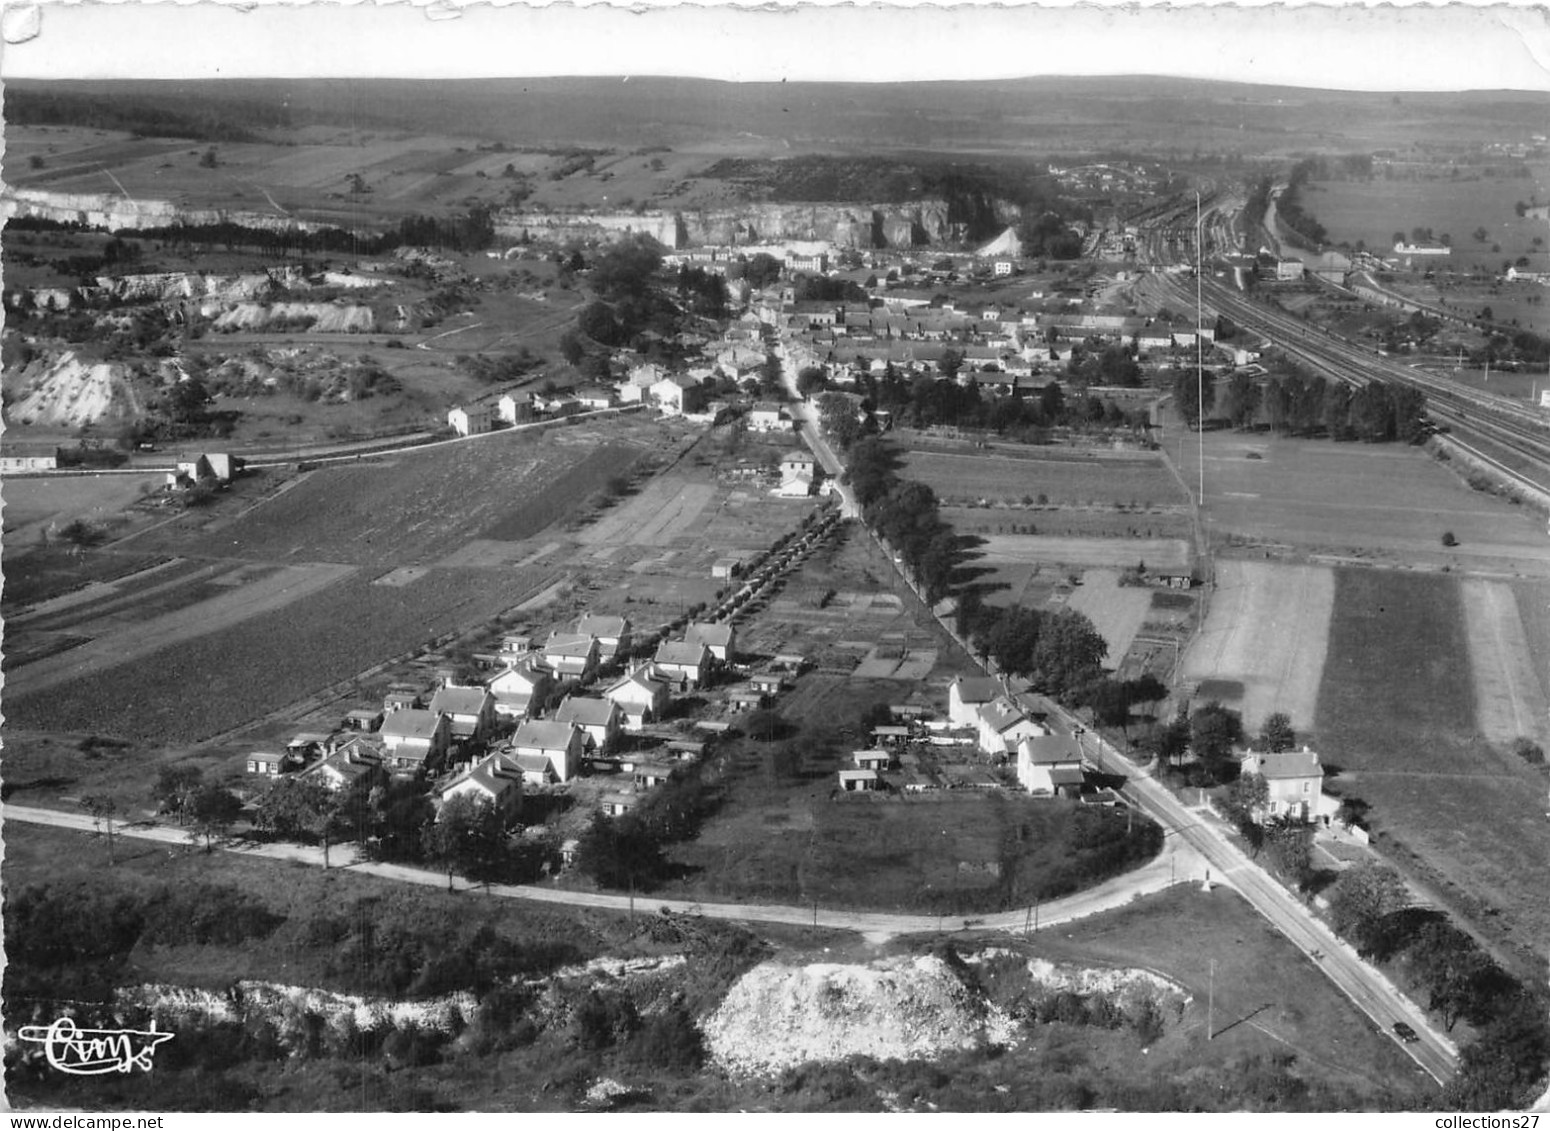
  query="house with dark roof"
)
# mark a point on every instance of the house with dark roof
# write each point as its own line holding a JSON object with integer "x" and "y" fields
{"x": 414, "y": 742}
{"x": 341, "y": 769}
{"x": 719, "y": 639}
{"x": 966, "y": 695}
{"x": 681, "y": 663}
{"x": 1050, "y": 764}
{"x": 561, "y": 744}
{"x": 470, "y": 711}
{"x": 495, "y": 781}
{"x": 612, "y": 633}
{"x": 599, "y": 719}
{"x": 1294, "y": 783}
{"x": 1001, "y": 725}
{"x": 571, "y": 654}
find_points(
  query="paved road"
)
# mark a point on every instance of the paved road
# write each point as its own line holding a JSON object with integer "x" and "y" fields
{"x": 1178, "y": 863}
{"x": 1374, "y": 994}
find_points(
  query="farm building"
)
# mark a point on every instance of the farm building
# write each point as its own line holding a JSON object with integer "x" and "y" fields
{"x": 726, "y": 568}
{"x": 363, "y": 719}
{"x": 748, "y": 700}
{"x": 514, "y": 407}
{"x": 649, "y": 775}
{"x": 618, "y": 804}
{"x": 894, "y": 736}
{"x": 767, "y": 683}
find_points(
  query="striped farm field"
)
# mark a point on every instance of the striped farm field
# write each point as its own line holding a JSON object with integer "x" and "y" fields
{"x": 1415, "y": 708}
{"x": 1266, "y": 631}
{"x": 1137, "y": 480}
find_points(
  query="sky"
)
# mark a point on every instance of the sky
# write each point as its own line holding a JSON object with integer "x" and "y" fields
{"x": 1457, "y": 47}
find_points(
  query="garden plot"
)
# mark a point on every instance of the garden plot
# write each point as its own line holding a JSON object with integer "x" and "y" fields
{"x": 1267, "y": 630}
{"x": 1137, "y": 480}
{"x": 1117, "y": 611}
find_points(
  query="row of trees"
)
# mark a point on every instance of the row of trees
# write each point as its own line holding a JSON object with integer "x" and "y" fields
{"x": 1300, "y": 405}
{"x": 904, "y": 514}
{"x": 1059, "y": 652}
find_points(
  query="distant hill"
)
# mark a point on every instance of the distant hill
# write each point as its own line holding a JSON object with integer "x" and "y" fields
{"x": 1048, "y": 116}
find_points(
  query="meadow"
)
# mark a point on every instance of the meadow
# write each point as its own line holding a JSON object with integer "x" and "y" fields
{"x": 1398, "y": 716}
{"x": 1372, "y": 211}
{"x": 1087, "y": 479}
{"x": 210, "y": 682}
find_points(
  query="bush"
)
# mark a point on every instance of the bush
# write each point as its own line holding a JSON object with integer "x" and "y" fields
{"x": 1448, "y": 539}
{"x": 1529, "y": 750}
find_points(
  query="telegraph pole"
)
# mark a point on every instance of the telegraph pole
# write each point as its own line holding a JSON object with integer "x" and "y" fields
{"x": 1211, "y": 1004}
{"x": 1200, "y": 355}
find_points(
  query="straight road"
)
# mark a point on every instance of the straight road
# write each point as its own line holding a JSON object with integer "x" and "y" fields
{"x": 1372, "y": 993}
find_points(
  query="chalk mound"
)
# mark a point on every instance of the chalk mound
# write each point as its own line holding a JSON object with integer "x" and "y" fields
{"x": 778, "y": 1016}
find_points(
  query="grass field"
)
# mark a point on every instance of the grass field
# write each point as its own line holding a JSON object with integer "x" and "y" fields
{"x": 1266, "y": 633}
{"x": 1398, "y": 715}
{"x": 1385, "y": 503}
{"x": 1374, "y": 210}
{"x": 1116, "y": 612}
{"x": 958, "y": 478}
{"x": 1269, "y": 1000}
{"x": 212, "y": 681}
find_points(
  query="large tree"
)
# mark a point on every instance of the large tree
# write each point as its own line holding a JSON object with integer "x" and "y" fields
{"x": 1361, "y": 897}
{"x": 213, "y": 809}
{"x": 466, "y": 837}
{"x": 1214, "y": 731}
{"x": 1276, "y": 734}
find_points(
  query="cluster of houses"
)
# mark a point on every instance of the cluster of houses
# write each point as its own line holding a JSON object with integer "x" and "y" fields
{"x": 491, "y": 740}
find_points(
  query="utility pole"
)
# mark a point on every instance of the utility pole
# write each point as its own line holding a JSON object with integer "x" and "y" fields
{"x": 1200, "y": 355}
{"x": 1211, "y": 1004}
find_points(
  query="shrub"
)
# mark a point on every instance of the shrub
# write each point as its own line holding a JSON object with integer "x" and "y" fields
{"x": 1448, "y": 539}
{"x": 1529, "y": 750}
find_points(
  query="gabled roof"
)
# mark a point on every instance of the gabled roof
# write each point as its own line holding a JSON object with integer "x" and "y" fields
{"x": 1066, "y": 775}
{"x": 1002, "y": 714}
{"x": 570, "y": 644}
{"x": 1051, "y": 749}
{"x": 710, "y": 635}
{"x": 532, "y": 763}
{"x": 586, "y": 711}
{"x": 459, "y": 700}
{"x": 411, "y": 724}
{"x": 681, "y": 653}
{"x": 595, "y": 624}
{"x": 796, "y": 455}
{"x": 640, "y": 677}
{"x": 544, "y": 735}
{"x": 493, "y": 776}
{"x": 1291, "y": 764}
{"x": 976, "y": 689}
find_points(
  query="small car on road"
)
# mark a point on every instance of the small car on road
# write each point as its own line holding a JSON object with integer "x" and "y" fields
{"x": 1405, "y": 1033}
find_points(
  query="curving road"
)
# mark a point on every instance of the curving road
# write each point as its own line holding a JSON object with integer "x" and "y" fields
{"x": 1178, "y": 863}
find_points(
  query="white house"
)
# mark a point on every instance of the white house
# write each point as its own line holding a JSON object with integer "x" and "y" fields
{"x": 1049, "y": 764}
{"x": 571, "y": 653}
{"x": 678, "y": 394}
{"x": 470, "y": 711}
{"x": 680, "y": 662}
{"x": 513, "y": 406}
{"x": 598, "y": 719}
{"x": 561, "y": 745}
{"x": 521, "y": 688}
{"x": 1294, "y": 782}
{"x": 720, "y": 639}
{"x": 767, "y": 416}
{"x": 1002, "y": 725}
{"x": 612, "y": 633}
{"x": 414, "y": 741}
{"x": 470, "y": 421}
{"x": 640, "y": 698}
{"x": 966, "y": 695}
{"x": 495, "y": 781}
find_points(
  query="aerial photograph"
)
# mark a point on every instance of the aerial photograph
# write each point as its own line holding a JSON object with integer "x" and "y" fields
{"x": 867, "y": 559}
